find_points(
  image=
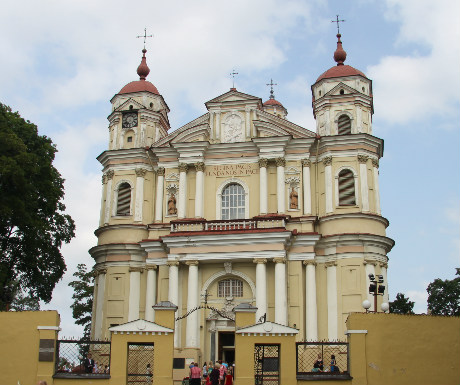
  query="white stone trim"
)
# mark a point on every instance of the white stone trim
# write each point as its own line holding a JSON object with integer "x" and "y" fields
{"x": 57, "y": 328}
{"x": 219, "y": 196}
{"x": 338, "y": 114}
{"x": 355, "y": 332}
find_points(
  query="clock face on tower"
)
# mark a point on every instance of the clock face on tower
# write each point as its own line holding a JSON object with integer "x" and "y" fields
{"x": 130, "y": 120}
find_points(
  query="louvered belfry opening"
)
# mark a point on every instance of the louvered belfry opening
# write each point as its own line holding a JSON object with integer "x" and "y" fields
{"x": 346, "y": 188}
{"x": 124, "y": 199}
{"x": 344, "y": 125}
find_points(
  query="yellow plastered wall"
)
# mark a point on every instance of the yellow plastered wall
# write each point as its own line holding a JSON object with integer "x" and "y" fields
{"x": 19, "y": 346}
{"x": 404, "y": 349}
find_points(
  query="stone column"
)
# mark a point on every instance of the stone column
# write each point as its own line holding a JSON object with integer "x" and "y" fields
{"x": 383, "y": 271}
{"x": 370, "y": 269}
{"x": 151, "y": 292}
{"x": 248, "y": 121}
{"x": 306, "y": 186}
{"x": 359, "y": 120}
{"x": 332, "y": 324}
{"x": 211, "y": 125}
{"x": 311, "y": 310}
{"x": 217, "y": 126}
{"x": 160, "y": 193}
{"x": 263, "y": 186}
{"x": 134, "y": 293}
{"x": 375, "y": 170}
{"x": 138, "y": 206}
{"x": 362, "y": 159}
{"x": 328, "y": 183}
{"x": 199, "y": 190}
{"x": 181, "y": 211}
{"x": 192, "y": 328}
{"x": 280, "y": 291}
{"x": 108, "y": 195}
{"x": 261, "y": 287}
{"x": 280, "y": 188}
{"x": 103, "y": 193}
{"x": 173, "y": 295}
{"x": 99, "y": 313}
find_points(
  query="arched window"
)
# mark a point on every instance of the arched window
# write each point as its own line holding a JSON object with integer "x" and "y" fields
{"x": 230, "y": 288}
{"x": 233, "y": 202}
{"x": 344, "y": 125}
{"x": 346, "y": 188}
{"x": 124, "y": 199}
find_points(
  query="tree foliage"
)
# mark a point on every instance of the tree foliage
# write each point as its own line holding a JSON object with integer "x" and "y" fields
{"x": 402, "y": 305}
{"x": 444, "y": 296}
{"x": 33, "y": 225}
{"x": 82, "y": 306}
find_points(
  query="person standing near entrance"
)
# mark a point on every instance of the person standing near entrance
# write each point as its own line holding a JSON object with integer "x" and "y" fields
{"x": 195, "y": 375}
{"x": 214, "y": 375}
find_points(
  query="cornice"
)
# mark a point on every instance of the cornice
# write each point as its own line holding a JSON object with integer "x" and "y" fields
{"x": 356, "y": 239}
{"x": 103, "y": 229}
{"x": 367, "y": 216}
{"x": 110, "y": 155}
{"x": 116, "y": 248}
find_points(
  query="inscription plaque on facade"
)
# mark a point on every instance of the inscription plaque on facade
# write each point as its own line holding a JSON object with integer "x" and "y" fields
{"x": 232, "y": 170}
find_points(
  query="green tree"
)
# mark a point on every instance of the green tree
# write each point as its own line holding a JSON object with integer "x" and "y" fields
{"x": 82, "y": 306}
{"x": 444, "y": 296}
{"x": 402, "y": 305}
{"x": 23, "y": 302}
{"x": 33, "y": 225}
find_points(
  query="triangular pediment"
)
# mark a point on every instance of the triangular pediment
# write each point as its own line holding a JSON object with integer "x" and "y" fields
{"x": 130, "y": 102}
{"x": 341, "y": 86}
{"x": 234, "y": 96}
{"x": 195, "y": 131}
{"x": 139, "y": 326}
{"x": 271, "y": 125}
{"x": 267, "y": 328}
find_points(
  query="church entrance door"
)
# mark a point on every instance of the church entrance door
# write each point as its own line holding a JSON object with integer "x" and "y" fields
{"x": 226, "y": 350}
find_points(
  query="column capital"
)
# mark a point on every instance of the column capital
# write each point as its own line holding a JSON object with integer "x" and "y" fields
{"x": 327, "y": 161}
{"x": 331, "y": 264}
{"x": 263, "y": 162}
{"x": 362, "y": 158}
{"x": 383, "y": 264}
{"x": 306, "y": 162}
{"x": 259, "y": 260}
{"x": 280, "y": 162}
{"x": 100, "y": 271}
{"x": 140, "y": 172}
{"x": 183, "y": 167}
{"x": 309, "y": 262}
{"x": 375, "y": 163}
{"x": 136, "y": 269}
{"x": 104, "y": 179}
{"x": 192, "y": 263}
{"x": 161, "y": 171}
{"x": 151, "y": 267}
{"x": 109, "y": 174}
{"x": 369, "y": 262}
{"x": 199, "y": 166}
{"x": 279, "y": 260}
{"x": 172, "y": 263}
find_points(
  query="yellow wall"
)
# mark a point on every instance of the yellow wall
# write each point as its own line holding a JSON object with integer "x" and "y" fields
{"x": 404, "y": 349}
{"x": 19, "y": 346}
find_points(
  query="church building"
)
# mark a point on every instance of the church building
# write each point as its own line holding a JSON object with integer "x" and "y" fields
{"x": 240, "y": 205}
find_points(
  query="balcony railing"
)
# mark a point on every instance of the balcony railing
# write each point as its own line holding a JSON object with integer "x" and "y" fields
{"x": 256, "y": 223}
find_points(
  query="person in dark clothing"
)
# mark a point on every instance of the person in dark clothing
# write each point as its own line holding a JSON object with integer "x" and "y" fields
{"x": 89, "y": 363}
{"x": 214, "y": 376}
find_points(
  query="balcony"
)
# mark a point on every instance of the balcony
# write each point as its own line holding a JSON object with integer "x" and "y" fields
{"x": 255, "y": 223}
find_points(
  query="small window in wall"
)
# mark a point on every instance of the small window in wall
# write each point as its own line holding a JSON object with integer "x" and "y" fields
{"x": 129, "y": 139}
{"x": 230, "y": 288}
{"x": 342, "y": 92}
{"x": 233, "y": 202}
{"x": 344, "y": 125}
{"x": 346, "y": 188}
{"x": 124, "y": 199}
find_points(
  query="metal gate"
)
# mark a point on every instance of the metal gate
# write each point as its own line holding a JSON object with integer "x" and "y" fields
{"x": 140, "y": 364}
{"x": 266, "y": 364}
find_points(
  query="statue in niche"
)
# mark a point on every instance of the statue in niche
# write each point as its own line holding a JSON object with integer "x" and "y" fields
{"x": 172, "y": 210}
{"x": 293, "y": 199}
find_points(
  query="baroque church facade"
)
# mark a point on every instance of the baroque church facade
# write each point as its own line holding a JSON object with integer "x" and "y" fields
{"x": 240, "y": 206}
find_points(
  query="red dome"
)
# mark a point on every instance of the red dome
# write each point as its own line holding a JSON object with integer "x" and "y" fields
{"x": 139, "y": 86}
{"x": 338, "y": 71}
{"x": 273, "y": 102}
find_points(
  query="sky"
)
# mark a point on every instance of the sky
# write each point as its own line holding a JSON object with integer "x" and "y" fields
{"x": 63, "y": 61}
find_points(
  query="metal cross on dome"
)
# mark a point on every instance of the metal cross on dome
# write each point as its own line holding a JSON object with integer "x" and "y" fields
{"x": 271, "y": 84}
{"x": 337, "y": 21}
{"x": 145, "y": 36}
{"x": 232, "y": 74}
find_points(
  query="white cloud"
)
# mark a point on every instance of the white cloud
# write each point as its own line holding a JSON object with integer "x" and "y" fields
{"x": 420, "y": 298}
{"x": 421, "y": 85}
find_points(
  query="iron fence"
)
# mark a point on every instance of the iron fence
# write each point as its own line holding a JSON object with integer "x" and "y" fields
{"x": 140, "y": 363}
{"x": 322, "y": 357}
{"x": 78, "y": 357}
